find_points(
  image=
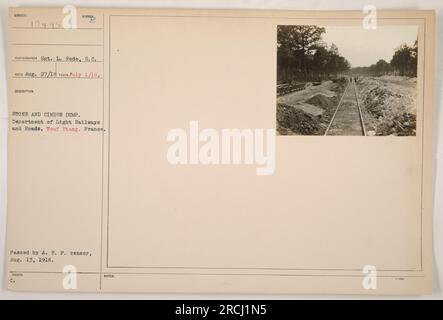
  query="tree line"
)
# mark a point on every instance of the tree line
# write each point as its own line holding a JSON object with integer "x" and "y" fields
{"x": 403, "y": 63}
{"x": 302, "y": 56}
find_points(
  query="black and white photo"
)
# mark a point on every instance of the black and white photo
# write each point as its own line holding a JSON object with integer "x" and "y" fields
{"x": 346, "y": 80}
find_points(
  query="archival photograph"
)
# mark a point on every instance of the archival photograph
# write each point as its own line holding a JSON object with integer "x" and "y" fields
{"x": 346, "y": 80}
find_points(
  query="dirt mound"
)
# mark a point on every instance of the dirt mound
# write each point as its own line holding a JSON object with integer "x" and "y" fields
{"x": 294, "y": 121}
{"x": 309, "y": 109}
{"x": 308, "y": 112}
{"x": 321, "y": 100}
{"x": 389, "y": 105}
{"x": 400, "y": 125}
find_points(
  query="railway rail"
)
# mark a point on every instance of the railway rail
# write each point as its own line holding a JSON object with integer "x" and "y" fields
{"x": 347, "y": 119}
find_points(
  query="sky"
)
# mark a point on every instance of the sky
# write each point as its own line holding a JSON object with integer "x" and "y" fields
{"x": 363, "y": 47}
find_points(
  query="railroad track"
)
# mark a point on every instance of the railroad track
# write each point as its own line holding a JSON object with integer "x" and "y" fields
{"x": 347, "y": 119}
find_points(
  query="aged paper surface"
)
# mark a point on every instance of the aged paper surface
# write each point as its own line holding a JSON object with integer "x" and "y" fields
{"x": 103, "y": 197}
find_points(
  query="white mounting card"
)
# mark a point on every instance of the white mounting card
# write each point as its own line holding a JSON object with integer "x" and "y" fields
{"x": 220, "y": 151}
